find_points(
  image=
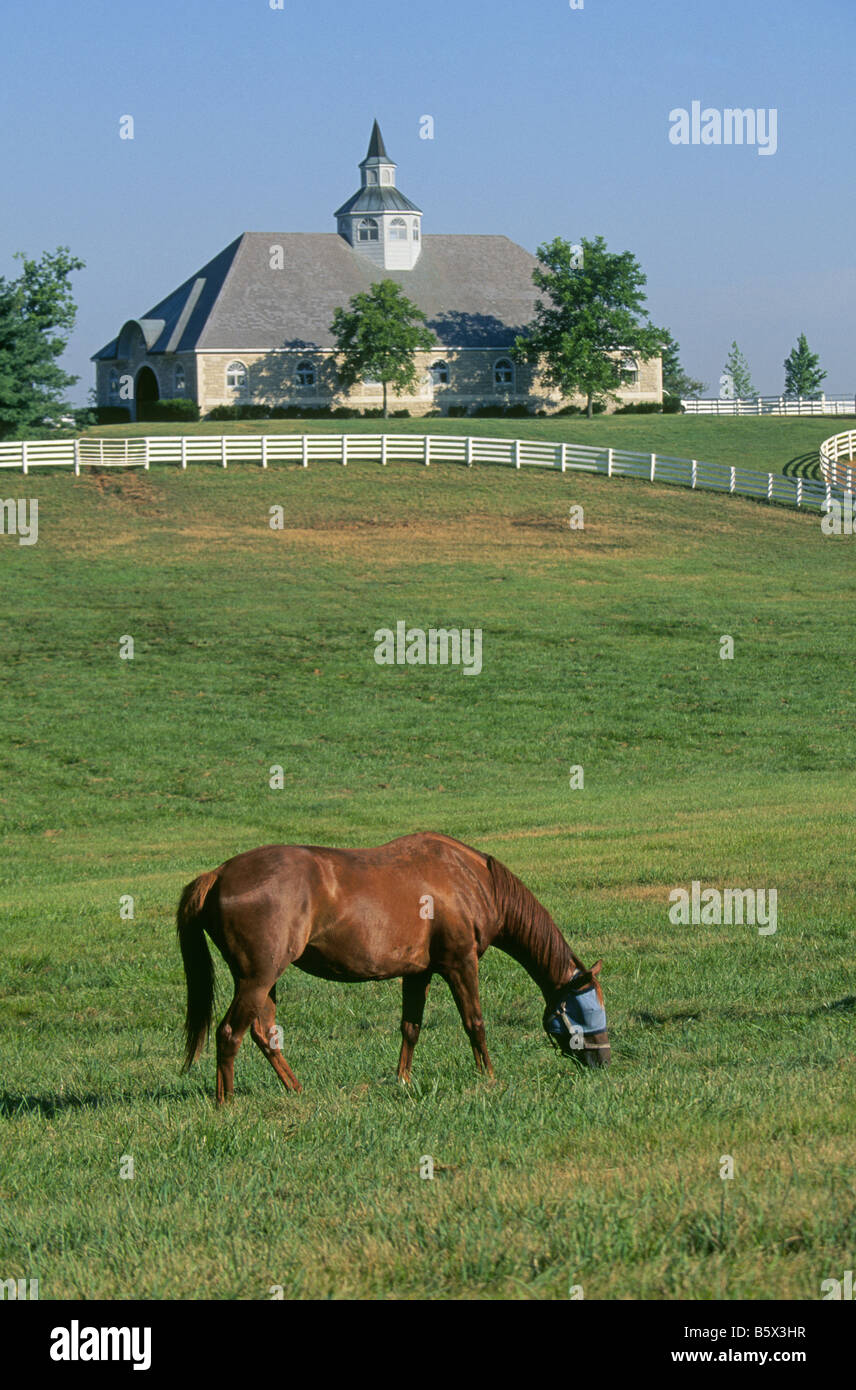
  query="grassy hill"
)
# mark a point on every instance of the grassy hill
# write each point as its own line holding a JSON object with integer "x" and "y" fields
{"x": 601, "y": 648}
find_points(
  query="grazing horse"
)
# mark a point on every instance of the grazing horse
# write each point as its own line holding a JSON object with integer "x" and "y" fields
{"x": 418, "y": 906}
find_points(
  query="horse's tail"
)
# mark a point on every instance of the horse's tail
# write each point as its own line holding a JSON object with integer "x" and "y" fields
{"x": 198, "y": 965}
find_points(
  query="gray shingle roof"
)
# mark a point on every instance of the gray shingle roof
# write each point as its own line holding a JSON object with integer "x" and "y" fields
{"x": 377, "y": 200}
{"x": 477, "y": 291}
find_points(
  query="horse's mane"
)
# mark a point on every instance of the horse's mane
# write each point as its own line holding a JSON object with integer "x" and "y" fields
{"x": 528, "y": 932}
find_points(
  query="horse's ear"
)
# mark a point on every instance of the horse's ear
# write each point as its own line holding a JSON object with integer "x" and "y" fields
{"x": 596, "y": 969}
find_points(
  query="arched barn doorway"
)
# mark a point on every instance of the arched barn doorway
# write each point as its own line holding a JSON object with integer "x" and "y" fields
{"x": 147, "y": 392}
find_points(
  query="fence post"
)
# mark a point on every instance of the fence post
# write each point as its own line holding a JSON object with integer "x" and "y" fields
{"x": 383, "y": 449}
{"x": 145, "y": 452}
{"x": 564, "y": 457}
{"x": 469, "y": 451}
{"x": 24, "y": 456}
{"x": 517, "y": 453}
{"x": 427, "y": 450}
{"x": 184, "y": 453}
{"x": 653, "y": 465}
{"x": 344, "y": 452}
{"x": 850, "y": 480}
{"x": 77, "y": 458}
{"x": 223, "y": 450}
{"x": 609, "y": 463}
{"x": 769, "y": 487}
{"x": 799, "y": 491}
{"x": 695, "y": 472}
{"x": 264, "y": 450}
{"x": 733, "y": 486}
{"x": 305, "y": 452}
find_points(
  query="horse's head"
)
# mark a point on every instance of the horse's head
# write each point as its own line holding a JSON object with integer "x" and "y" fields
{"x": 575, "y": 1020}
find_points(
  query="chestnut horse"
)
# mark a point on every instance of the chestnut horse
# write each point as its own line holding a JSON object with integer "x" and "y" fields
{"x": 418, "y": 906}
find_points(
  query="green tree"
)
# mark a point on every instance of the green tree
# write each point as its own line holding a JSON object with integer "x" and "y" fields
{"x": 37, "y": 314}
{"x": 737, "y": 369}
{"x": 803, "y": 376}
{"x": 675, "y": 380}
{"x": 377, "y": 337}
{"x": 594, "y": 306}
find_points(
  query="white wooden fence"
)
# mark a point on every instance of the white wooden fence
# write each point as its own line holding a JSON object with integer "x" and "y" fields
{"x": 836, "y": 460}
{"x": 774, "y": 405}
{"x": 221, "y": 450}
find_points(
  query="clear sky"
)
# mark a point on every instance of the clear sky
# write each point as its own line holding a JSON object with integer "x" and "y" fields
{"x": 549, "y": 121}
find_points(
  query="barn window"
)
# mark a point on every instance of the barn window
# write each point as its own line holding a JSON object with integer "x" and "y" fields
{"x": 440, "y": 373}
{"x": 305, "y": 374}
{"x": 180, "y": 380}
{"x": 114, "y": 383}
{"x": 503, "y": 372}
{"x": 367, "y": 230}
{"x": 398, "y": 229}
{"x": 629, "y": 371}
{"x": 236, "y": 376}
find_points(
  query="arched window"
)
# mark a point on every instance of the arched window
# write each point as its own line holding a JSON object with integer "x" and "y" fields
{"x": 305, "y": 374}
{"x": 503, "y": 372}
{"x": 367, "y": 230}
{"x": 629, "y": 371}
{"x": 236, "y": 376}
{"x": 440, "y": 373}
{"x": 180, "y": 380}
{"x": 398, "y": 229}
{"x": 114, "y": 382}
{"x": 415, "y": 229}
{"x": 371, "y": 178}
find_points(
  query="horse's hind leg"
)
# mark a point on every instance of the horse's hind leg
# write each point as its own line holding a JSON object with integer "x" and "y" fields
{"x": 248, "y": 1002}
{"x": 463, "y": 981}
{"x": 414, "y": 990}
{"x": 265, "y": 1035}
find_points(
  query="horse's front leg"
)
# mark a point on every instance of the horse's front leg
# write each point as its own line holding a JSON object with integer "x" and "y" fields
{"x": 463, "y": 981}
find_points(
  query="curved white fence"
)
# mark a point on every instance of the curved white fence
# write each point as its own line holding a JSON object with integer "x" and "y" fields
{"x": 773, "y": 405}
{"x": 836, "y": 460}
{"x": 181, "y": 450}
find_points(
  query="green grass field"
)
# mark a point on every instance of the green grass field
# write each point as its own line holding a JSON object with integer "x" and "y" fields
{"x": 601, "y": 648}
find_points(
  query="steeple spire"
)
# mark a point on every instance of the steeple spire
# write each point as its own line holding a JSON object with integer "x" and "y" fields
{"x": 377, "y": 149}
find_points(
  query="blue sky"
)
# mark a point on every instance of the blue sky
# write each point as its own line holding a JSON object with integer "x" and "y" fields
{"x": 549, "y": 122}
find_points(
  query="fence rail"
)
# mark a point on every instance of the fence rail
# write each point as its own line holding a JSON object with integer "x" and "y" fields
{"x": 304, "y": 449}
{"x": 837, "y": 460}
{"x": 773, "y": 405}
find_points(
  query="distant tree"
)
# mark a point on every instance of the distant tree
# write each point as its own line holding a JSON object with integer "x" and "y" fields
{"x": 737, "y": 369}
{"x": 593, "y": 305}
{"x": 377, "y": 337}
{"x": 37, "y": 314}
{"x": 803, "y": 376}
{"x": 675, "y": 380}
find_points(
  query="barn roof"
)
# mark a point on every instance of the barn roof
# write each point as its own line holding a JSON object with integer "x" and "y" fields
{"x": 476, "y": 291}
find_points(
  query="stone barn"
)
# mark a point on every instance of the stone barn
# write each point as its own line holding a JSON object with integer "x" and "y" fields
{"x": 253, "y": 324}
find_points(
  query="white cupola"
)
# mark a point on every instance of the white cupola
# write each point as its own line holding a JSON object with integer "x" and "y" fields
{"x": 379, "y": 222}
